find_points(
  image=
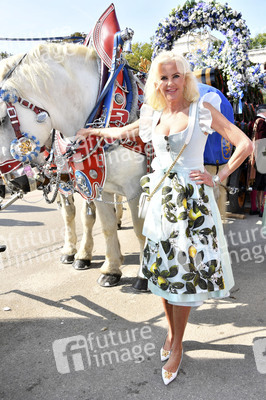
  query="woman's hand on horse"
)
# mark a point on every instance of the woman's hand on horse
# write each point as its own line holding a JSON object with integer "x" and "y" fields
{"x": 129, "y": 131}
{"x": 85, "y": 132}
{"x": 201, "y": 177}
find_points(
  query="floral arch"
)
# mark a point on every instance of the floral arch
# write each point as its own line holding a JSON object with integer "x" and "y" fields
{"x": 232, "y": 56}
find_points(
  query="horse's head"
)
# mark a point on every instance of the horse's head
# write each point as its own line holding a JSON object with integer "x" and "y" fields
{"x": 52, "y": 87}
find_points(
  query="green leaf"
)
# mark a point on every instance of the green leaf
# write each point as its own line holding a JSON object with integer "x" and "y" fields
{"x": 190, "y": 190}
{"x": 167, "y": 198}
{"x": 146, "y": 272}
{"x": 144, "y": 180}
{"x": 204, "y": 274}
{"x": 205, "y": 199}
{"x": 202, "y": 284}
{"x": 220, "y": 282}
{"x": 211, "y": 270}
{"x": 189, "y": 276}
{"x": 196, "y": 279}
{"x": 166, "y": 190}
{"x": 171, "y": 254}
{"x": 182, "y": 216}
{"x": 179, "y": 199}
{"x": 195, "y": 207}
{"x": 178, "y": 285}
{"x": 210, "y": 286}
{"x": 198, "y": 222}
{"x": 204, "y": 210}
{"x": 173, "y": 271}
{"x": 190, "y": 223}
{"x": 166, "y": 246}
{"x": 169, "y": 206}
{"x": 205, "y": 231}
{"x": 192, "y": 266}
{"x": 165, "y": 273}
{"x": 190, "y": 288}
{"x": 179, "y": 188}
{"x": 170, "y": 217}
{"x": 158, "y": 261}
{"x": 164, "y": 286}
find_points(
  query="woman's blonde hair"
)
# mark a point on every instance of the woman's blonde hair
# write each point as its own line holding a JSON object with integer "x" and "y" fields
{"x": 153, "y": 97}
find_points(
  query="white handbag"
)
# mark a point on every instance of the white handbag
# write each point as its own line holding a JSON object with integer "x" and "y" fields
{"x": 144, "y": 200}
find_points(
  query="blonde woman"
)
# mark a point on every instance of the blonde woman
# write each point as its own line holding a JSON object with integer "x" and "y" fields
{"x": 185, "y": 257}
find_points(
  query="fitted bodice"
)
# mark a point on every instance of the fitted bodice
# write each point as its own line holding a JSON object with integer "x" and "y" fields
{"x": 167, "y": 147}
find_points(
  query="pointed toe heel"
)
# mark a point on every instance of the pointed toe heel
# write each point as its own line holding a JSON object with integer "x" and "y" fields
{"x": 167, "y": 376}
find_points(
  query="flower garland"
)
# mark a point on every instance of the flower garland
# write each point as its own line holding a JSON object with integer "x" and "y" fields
{"x": 231, "y": 58}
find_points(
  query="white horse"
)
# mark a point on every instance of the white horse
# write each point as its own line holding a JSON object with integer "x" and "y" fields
{"x": 64, "y": 81}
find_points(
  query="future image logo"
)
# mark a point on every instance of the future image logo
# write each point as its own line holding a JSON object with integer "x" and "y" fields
{"x": 79, "y": 353}
{"x": 71, "y": 354}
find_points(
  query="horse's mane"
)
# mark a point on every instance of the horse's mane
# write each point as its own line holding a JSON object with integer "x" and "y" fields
{"x": 37, "y": 63}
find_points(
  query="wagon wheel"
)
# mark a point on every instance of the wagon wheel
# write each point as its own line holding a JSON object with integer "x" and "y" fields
{"x": 238, "y": 180}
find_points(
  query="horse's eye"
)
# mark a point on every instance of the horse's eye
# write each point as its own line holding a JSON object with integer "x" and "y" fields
{"x": 2, "y": 120}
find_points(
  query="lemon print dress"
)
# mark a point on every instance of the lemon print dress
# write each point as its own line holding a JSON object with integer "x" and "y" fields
{"x": 185, "y": 258}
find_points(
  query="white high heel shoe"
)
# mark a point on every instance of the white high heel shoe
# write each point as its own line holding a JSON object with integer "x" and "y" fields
{"x": 170, "y": 376}
{"x": 164, "y": 354}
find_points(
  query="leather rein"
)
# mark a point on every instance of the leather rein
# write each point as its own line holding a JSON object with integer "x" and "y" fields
{"x": 11, "y": 109}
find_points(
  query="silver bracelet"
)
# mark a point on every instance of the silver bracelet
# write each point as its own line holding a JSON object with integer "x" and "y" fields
{"x": 216, "y": 180}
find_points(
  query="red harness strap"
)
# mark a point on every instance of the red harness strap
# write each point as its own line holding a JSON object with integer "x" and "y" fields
{"x": 12, "y": 113}
{"x": 30, "y": 106}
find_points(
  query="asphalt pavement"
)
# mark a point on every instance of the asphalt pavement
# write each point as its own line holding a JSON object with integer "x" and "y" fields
{"x": 62, "y": 336}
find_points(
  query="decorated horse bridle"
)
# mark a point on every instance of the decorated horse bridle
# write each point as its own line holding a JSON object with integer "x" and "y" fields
{"x": 24, "y": 147}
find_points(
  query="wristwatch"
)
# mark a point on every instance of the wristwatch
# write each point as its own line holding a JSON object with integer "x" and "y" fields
{"x": 216, "y": 180}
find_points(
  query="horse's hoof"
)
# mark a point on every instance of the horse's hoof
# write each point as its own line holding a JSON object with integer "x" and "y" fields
{"x": 119, "y": 226}
{"x": 108, "y": 280}
{"x": 66, "y": 259}
{"x": 141, "y": 284}
{"x": 81, "y": 265}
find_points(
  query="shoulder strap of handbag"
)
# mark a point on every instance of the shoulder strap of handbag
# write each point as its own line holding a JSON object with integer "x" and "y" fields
{"x": 191, "y": 124}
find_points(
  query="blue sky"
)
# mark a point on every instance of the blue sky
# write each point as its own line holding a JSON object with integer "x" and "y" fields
{"x": 29, "y": 18}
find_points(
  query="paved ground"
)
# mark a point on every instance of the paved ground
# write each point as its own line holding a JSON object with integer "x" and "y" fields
{"x": 64, "y": 337}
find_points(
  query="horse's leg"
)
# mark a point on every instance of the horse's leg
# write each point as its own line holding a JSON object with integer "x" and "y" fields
{"x": 68, "y": 212}
{"x": 110, "y": 270}
{"x": 119, "y": 210}
{"x": 84, "y": 254}
{"x": 141, "y": 282}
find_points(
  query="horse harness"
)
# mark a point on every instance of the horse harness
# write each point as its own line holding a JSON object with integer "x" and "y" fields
{"x": 86, "y": 164}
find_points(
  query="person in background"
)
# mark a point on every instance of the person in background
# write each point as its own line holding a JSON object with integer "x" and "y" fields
{"x": 185, "y": 260}
{"x": 258, "y": 180}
